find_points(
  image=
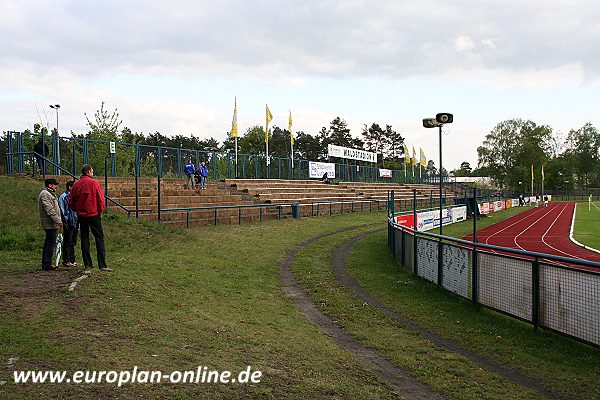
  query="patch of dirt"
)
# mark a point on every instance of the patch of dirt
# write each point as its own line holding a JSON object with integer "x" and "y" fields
{"x": 21, "y": 295}
{"x": 399, "y": 379}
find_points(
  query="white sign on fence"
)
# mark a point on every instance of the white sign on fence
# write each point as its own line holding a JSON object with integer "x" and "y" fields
{"x": 353, "y": 154}
{"x": 318, "y": 169}
{"x": 113, "y": 148}
{"x": 385, "y": 173}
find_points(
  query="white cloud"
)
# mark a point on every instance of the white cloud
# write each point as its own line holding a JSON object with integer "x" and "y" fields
{"x": 463, "y": 43}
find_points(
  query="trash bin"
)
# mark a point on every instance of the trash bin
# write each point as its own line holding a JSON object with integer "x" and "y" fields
{"x": 296, "y": 210}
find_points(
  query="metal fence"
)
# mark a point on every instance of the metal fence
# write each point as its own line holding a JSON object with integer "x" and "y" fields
{"x": 556, "y": 293}
{"x": 70, "y": 153}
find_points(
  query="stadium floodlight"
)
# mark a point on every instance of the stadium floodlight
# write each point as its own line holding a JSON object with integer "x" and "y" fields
{"x": 440, "y": 120}
{"x": 56, "y": 169}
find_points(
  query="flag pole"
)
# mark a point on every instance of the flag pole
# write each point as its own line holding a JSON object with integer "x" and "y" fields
{"x": 236, "y": 158}
{"x": 291, "y": 143}
{"x": 531, "y": 179}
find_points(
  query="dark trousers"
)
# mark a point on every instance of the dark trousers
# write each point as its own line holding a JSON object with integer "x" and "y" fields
{"x": 49, "y": 245}
{"x": 69, "y": 242}
{"x": 41, "y": 164}
{"x": 95, "y": 225}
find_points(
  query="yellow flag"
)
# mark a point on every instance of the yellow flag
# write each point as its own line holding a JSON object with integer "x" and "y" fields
{"x": 269, "y": 119}
{"x": 414, "y": 157}
{"x": 290, "y": 129}
{"x": 234, "y": 124}
{"x": 532, "y": 172}
{"x": 269, "y": 115}
{"x": 406, "y": 154}
{"x": 423, "y": 158}
{"x": 542, "y": 172}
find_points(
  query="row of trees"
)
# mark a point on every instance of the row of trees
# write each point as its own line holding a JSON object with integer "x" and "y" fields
{"x": 513, "y": 146}
{"x": 381, "y": 139}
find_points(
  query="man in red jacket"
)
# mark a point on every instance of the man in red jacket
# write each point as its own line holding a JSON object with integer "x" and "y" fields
{"x": 87, "y": 200}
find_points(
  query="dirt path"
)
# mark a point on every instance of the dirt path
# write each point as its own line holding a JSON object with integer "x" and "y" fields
{"x": 400, "y": 379}
{"x": 514, "y": 376}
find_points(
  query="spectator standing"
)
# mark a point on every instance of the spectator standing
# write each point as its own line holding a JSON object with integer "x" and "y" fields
{"x": 50, "y": 219}
{"x": 203, "y": 175}
{"x": 189, "y": 170}
{"x": 87, "y": 200}
{"x": 70, "y": 227}
{"x": 41, "y": 150}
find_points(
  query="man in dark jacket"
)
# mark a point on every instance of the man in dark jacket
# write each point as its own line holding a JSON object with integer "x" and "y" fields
{"x": 189, "y": 170}
{"x": 41, "y": 150}
{"x": 87, "y": 200}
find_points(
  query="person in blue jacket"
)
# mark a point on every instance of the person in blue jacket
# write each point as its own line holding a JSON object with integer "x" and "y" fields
{"x": 203, "y": 175}
{"x": 70, "y": 227}
{"x": 189, "y": 171}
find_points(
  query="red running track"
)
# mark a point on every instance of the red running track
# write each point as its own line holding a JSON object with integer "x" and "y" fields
{"x": 541, "y": 229}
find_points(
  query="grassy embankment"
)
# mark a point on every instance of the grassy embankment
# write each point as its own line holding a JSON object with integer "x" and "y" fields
{"x": 212, "y": 297}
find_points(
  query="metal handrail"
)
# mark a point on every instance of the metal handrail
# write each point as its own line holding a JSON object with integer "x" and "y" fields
{"x": 110, "y": 199}
{"x": 509, "y": 250}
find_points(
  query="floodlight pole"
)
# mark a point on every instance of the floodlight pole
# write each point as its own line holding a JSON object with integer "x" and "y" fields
{"x": 56, "y": 107}
{"x": 441, "y": 177}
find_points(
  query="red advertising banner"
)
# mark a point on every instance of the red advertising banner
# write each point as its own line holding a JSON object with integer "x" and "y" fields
{"x": 406, "y": 220}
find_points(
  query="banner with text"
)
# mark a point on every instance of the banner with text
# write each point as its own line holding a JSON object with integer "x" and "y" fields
{"x": 318, "y": 169}
{"x": 352, "y": 154}
{"x": 385, "y": 173}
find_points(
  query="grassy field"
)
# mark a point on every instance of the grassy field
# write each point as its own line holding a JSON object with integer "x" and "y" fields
{"x": 212, "y": 296}
{"x": 587, "y": 224}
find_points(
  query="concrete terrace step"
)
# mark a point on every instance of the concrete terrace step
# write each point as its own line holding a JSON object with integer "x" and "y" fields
{"x": 303, "y": 194}
{"x": 313, "y": 199}
{"x": 308, "y": 189}
{"x": 266, "y": 182}
{"x": 184, "y": 199}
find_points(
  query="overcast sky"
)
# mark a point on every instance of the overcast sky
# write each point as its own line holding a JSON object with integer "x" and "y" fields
{"x": 175, "y": 67}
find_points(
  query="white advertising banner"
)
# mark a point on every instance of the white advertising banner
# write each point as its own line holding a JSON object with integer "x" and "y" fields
{"x": 385, "y": 173}
{"x": 484, "y": 208}
{"x": 318, "y": 169}
{"x": 427, "y": 220}
{"x": 352, "y": 154}
{"x": 515, "y": 202}
{"x": 458, "y": 214}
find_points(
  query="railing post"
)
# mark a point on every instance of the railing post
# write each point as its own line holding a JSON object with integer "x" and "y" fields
{"x": 159, "y": 202}
{"x": 415, "y": 258}
{"x": 55, "y": 155}
{"x": 86, "y": 151}
{"x": 136, "y": 172}
{"x": 179, "y": 164}
{"x": 106, "y": 177}
{"x": 475, "y": 258}
{"x": 187, "y": 218}
{"x": 20, "y": 158}
{"x": 535, "y": 301}
{"x": 10, "y": 150}
{"x": 74, "y": 142}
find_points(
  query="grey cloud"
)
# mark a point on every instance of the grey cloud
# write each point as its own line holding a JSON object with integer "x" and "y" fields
{"x": 390, "y": 39}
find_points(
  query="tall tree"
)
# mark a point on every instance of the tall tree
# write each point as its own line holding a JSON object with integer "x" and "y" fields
{"x": 105, "y": 125}
{"x": 307, "y": 147}
{"x": 510, "y": 149}
{"x": 376, "y": 140}
{"x": 582, "y": 149}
